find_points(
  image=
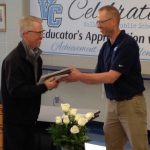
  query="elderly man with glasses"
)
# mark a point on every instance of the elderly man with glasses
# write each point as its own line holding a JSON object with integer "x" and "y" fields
{"x": 21, "y": 95}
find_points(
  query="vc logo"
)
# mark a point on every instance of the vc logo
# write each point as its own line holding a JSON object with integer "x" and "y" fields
{"x": 49, "y": 10}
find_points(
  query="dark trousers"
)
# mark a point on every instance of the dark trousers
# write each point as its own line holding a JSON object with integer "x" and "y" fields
{"x": 19, "y": 136}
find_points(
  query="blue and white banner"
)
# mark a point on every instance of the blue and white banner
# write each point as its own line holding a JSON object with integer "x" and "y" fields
{"x": 70, "y": 25}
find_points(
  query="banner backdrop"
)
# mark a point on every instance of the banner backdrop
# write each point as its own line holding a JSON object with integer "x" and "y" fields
{"x": 70, "y": 25}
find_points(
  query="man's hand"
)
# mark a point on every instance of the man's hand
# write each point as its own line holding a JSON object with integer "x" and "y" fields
{"x": 51, "y": 83}
{"x": 73, "y": 76}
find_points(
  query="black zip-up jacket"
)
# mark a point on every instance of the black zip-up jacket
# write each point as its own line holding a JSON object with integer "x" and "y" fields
{"x": 21, "y": 96}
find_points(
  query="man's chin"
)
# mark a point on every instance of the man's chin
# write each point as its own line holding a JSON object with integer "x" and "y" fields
{"x": 38, "y": 45}
{"x": 102, "y": 33}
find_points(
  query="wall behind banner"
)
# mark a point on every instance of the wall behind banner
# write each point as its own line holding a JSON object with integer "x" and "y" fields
{"x": 10, "y": 38}
{"x": 71, "y": 36}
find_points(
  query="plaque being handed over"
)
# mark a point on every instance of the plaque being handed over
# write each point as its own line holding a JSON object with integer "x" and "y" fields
{"x": 58, "y": 74}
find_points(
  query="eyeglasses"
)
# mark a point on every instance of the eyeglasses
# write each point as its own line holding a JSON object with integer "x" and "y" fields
{"x": 101, "y": 22}
{"x": 38, "y": 32}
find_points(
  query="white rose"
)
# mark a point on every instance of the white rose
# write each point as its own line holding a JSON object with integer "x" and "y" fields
{"x": 65, "y": 107}
{"x": 73, "y": 111}
{"x": 66, "y": 119}
{"x": 58, "y": 120}
{"x": 77, "y": 116}
{"x": 89, "y": 115}
{"x": 74, "y": 129}
{"x": 82, "y": 121}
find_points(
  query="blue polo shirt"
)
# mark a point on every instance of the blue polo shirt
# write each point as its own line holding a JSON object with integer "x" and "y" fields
{"x": 122, "y": 56}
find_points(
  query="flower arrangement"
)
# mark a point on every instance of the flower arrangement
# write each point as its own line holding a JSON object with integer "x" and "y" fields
{"x": 70, "y": 128}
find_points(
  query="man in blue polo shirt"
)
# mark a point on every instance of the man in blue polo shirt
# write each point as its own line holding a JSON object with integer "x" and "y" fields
{"x": 119, "y": 69}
